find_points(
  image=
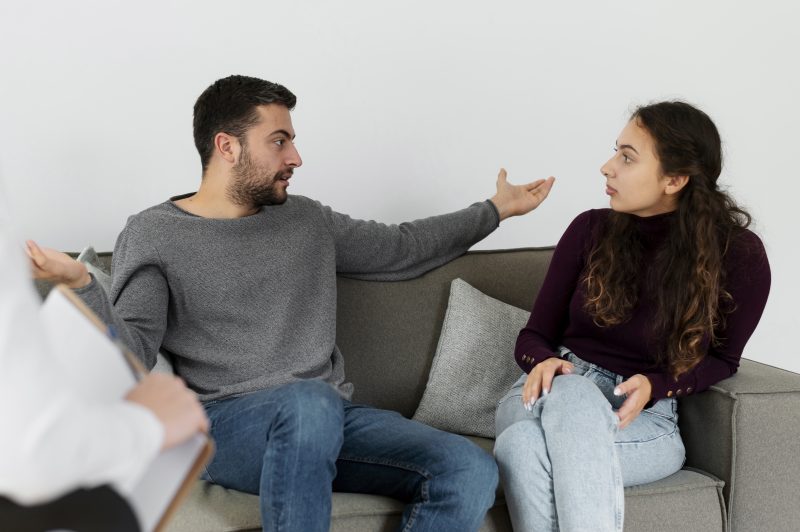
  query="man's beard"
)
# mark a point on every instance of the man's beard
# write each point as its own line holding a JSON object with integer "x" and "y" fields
{"x": 254, "y": 185}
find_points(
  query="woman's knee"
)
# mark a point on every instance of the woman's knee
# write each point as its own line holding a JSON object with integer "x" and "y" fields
{"x": 574, "y": 405}
{"x": 522, "y": 448}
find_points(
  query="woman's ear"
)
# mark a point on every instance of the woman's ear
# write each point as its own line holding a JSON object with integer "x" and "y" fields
{"x": 675, "y": 184}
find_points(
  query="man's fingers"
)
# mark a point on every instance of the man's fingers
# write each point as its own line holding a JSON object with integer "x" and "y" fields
{"x": 502, "y": 176}
{"x": 533, "y": 185}
{"x": 544, "y": 188}
{"x": 35, "y": 253}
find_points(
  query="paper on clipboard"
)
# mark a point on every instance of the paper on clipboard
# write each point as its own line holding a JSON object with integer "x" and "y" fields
{"x": 102, "y": 372}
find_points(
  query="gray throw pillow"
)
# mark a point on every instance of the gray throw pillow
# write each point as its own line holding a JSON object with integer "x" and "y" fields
{"x": 92, "y": 262}
{"x": 474, "y": 364}
{"x": 90, "y": 259}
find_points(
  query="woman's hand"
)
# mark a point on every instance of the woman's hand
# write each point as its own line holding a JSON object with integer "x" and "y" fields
{"x": 540, "y": 379}
{"x": 51, "y": 265}
{"x": 639, "y": 392}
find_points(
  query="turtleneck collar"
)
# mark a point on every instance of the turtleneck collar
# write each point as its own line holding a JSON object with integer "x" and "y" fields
{"x": 657, "y": 226}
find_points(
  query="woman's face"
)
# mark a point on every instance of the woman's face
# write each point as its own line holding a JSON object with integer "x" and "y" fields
{"x": 634, "y": 180}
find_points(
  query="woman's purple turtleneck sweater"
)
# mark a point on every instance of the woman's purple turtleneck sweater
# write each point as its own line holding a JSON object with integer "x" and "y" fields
{"x": 558, "y": 317}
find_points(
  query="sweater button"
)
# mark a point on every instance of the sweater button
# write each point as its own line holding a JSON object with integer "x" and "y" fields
{"x": 679, "y": 392}
{"x": 669, "y": 393}
{"x": 689, "y": 389}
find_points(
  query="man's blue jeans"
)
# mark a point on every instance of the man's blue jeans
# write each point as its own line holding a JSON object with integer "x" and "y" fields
{"x": 295, "y": 444}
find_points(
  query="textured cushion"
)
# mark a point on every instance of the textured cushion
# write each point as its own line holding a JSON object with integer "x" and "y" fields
{"x": 474, "y": 362}
{"x": 92, "y": 262}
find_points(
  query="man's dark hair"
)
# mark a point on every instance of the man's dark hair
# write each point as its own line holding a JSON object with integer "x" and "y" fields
{"x": 230, "y": 105}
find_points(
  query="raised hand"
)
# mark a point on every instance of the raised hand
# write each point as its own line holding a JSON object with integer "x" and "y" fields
{"x": 515, "y": 200}
{"x": 51, "y": 265}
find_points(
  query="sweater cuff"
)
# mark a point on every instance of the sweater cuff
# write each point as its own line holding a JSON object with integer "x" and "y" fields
{"x": 527, "y": 360}
{"x": 665, "y": 386}
{"x": 495, "y": 211}
{"x": 89, "y": 288}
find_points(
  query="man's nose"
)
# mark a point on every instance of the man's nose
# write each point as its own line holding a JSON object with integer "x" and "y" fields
{"x": 294, "y": 158}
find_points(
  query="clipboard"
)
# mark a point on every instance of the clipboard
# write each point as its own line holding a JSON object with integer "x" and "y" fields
{"x": 82, "y": 342}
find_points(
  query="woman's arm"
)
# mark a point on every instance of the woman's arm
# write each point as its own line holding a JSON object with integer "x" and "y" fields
{"x": 543, "y": 332}
{"x": 748, "y": 282}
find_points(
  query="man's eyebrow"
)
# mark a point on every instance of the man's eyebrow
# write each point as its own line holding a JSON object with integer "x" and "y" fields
{"x": 282, "y": 132}
{"x": 623, "y": 146}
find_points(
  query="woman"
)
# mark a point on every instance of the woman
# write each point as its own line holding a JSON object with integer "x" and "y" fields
{"x": 650, "y": 300}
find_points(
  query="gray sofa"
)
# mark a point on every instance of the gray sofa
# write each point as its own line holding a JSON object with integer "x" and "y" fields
{"x": 742, "y": 436}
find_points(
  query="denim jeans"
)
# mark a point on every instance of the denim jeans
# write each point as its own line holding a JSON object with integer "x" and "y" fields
{"x": 294, "y": 444}
{"x": 564, "y": 464}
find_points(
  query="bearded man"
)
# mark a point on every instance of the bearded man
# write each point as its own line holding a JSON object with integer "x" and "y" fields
{"x": 237, "y": 281}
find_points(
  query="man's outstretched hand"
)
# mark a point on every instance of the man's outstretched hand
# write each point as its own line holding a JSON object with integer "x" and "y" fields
{"x": 51, "y": 265}
{"x": 515, "y": 200}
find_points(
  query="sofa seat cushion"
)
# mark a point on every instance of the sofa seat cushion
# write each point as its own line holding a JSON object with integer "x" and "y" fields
{"x": 689, "y": 500}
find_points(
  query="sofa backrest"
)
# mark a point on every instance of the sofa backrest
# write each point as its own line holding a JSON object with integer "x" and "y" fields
{"x": 388, "y": 331}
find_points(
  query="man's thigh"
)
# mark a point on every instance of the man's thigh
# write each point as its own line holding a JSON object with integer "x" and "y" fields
{"x": 386, "y": 454}
{"x": 243, "y": 427}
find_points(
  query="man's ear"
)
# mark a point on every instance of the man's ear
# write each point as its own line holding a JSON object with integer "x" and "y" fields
{"x": 227, "y": 146}
{"x": 675, "y": 183}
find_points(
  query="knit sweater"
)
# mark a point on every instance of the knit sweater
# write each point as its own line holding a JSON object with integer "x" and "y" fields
{"x": 248, "y": 304}
{"x": 558, "y": 316}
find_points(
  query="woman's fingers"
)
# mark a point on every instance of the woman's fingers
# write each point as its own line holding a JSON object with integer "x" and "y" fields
{"x": 540, "y": 379}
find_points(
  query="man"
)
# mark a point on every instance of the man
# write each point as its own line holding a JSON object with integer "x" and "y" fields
{"x": 63, "y": 459}
{"x": 238, "y": 282}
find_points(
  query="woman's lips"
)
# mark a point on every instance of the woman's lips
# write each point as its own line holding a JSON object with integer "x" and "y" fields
{"x": 610, "y": 191}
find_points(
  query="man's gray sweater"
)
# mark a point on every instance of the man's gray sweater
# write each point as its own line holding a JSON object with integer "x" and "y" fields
{"x": 249, "y": 303}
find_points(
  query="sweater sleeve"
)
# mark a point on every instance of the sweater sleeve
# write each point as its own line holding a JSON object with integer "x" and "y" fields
{"x": 374, "y": 251}
{"x": 543, "y": 332}
{"x": 748, "y": 282}
{"x": 53, "y": 439}
{"x": 137, "y": 303}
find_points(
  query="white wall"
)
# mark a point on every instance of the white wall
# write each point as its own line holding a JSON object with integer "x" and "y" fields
{"x": 405, "y": 108}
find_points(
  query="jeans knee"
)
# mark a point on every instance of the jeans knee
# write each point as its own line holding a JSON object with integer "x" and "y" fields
{"x": 521, "y": 447}
{"x": 476, "y": 479}
{"x": 312, "y": 413}
{"x": 575, "y": 400}
{"x": 467, "y": 471}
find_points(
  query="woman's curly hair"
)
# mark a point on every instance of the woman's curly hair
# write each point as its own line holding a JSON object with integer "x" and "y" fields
{"x": 686, "y": 277}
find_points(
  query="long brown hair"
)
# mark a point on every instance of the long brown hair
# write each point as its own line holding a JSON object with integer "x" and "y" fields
{"x": 687, "y": 275}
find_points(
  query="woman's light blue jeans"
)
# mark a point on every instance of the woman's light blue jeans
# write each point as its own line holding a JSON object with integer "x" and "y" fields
{"x": 564, "y": 465}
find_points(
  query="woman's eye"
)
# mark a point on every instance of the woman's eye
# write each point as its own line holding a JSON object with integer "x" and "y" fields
{"x": 625, "y": 158}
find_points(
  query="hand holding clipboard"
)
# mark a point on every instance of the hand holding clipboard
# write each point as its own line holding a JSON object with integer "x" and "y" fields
{"x": 101, "y": 374}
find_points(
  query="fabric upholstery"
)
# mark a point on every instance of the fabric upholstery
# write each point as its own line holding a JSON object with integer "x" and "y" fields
{"x": 743, "y": 431}
{"x": 746, "y": 431}
{"x": 388, "y": 332}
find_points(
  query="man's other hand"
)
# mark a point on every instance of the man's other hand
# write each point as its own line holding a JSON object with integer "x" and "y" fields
{"x": 54, "y": 266}
{"x": 515, "y": 200}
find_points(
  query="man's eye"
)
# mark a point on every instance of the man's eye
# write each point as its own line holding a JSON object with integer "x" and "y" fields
{"x": 280, "y": 142}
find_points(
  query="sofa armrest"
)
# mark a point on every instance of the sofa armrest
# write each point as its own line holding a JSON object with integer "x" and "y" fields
{"x": 745, "y": 430}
